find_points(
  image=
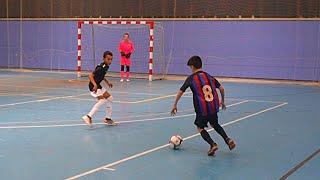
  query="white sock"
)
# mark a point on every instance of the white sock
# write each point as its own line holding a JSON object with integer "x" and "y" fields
{"x": 109, "y": 101}
{"x": 96, "y": 107}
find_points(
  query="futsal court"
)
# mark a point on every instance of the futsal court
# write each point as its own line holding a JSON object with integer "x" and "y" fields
{"x": 42, "y": 135}
{"x": 55, "y": 54}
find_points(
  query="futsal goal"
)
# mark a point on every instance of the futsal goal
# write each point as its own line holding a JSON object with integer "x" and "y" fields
{"x": 95, "y": 37}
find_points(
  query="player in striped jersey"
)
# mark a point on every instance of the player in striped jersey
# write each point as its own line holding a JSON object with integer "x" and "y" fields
{"x": 206, "y": 103}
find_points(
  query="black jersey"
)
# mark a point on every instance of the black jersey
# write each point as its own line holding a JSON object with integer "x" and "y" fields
{"x": 98, "y": 75}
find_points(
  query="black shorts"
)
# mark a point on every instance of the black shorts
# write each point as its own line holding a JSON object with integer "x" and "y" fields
{"x": 91, "y": 86}
{"x": 202, "y": 121}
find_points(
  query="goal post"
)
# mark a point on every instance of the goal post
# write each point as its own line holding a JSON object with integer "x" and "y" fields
{"x": 150, "y": 51}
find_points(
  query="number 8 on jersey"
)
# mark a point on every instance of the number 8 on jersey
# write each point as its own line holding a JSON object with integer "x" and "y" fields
{"x": 207, "y": 91}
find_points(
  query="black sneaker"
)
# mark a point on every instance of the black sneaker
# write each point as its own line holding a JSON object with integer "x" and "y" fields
{"x": 109, "y": 122}
{"x": 213, "y": 149}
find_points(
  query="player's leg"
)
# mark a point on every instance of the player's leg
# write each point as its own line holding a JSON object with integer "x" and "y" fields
{"x": 88, "y": 118}
{"x": 122, "y": 70}
{"x": 128, "y": 64}
{"x": 213, "y": 120}
{"x": 122, "y": 64}
{"x": 109, "y": 100}
{"x": 128, "y": 72}
{"x": 201, "y": 123}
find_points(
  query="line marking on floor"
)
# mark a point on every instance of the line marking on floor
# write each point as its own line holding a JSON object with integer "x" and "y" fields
{"x": 166, "y": 145}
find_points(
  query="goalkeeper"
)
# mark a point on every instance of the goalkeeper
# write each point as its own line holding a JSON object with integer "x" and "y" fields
{"x": 126, "y": 48}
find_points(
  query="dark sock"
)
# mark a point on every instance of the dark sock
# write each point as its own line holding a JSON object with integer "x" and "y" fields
{"x": 205, "y": 135}
{"x": 221, "y": 132}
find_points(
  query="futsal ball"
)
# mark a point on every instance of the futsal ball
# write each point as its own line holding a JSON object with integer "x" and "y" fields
{"x": 175, "y": 142}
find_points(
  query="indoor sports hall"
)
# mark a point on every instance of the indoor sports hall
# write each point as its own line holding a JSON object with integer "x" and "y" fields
{"x": 265, "y": 54}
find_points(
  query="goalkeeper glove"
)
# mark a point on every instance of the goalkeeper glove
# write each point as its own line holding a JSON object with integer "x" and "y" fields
{"x": 128, "y": 55}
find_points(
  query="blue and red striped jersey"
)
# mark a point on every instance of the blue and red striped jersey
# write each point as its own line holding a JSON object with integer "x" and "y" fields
{"x": 205, "y": 96}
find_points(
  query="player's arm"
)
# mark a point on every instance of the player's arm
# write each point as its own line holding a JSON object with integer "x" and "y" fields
{"x": 183, "y": 88}
{"x": 222, "y": 103}
{"x": 175, "y": 104}
{"x": 91, "y": 78}
{"x": 108, "y": 83}
{"x": 222, "y": 93}
{"x": 121, "y": 49}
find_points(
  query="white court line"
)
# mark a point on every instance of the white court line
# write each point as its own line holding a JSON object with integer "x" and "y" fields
{"x": 110, "y": 169}
{"x": 150, "y": 94}
{"x": 90, "y": 99}
{"x": 115, "y": 92}
{"x": 166, "y": 145}
{"x": 253, "y": 100}
{"x": 25, "y": 94}
{"x": 36, "y": 87}
{"x": 61, "y": 121}
{"x": 70, "y": 97}
{"x": 239, "y": 99}
{"x": 121, "y": 122}
{"x": 131, "y": 102}
{"x": 17, "y": 93}
{"x": 74, "y": 97}
{"x": 40, "y": 100}
{"x": 82, "y": 124}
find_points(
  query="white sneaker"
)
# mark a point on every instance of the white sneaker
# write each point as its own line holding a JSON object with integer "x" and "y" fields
{"x": 128, "y": 80}
{"x": 121, "y": 80}
{"x": 87, "y": 120}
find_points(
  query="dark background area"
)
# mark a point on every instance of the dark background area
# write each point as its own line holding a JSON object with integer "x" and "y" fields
{"x": 159, "y": 8}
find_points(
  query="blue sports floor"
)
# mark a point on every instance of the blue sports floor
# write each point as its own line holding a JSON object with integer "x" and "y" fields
{"x": 42, "y": 135}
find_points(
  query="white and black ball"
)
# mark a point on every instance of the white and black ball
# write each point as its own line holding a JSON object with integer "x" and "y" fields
{"x": 175, "y": 142}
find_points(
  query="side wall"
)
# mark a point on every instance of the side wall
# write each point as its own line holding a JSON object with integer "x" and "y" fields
{"x": 252, "y": 49}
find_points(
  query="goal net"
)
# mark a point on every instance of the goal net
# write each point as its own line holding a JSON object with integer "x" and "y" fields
{"x": 95, "y": 37}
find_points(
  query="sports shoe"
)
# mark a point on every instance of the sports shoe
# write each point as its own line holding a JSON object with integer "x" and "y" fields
{"x": 87, "y": 119}
{"x": 213, "y": 149}
{"x": 128, "y": 80}
{"x": 109, "y": 122}
{"x": 121, "y": 80}
{"x": 231, "y": 144}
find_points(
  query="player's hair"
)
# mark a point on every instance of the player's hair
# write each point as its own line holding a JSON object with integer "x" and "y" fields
{"x": 126, "y": 34}
{"x": 106, "y": 53}
{"x": 195, "y": 61}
